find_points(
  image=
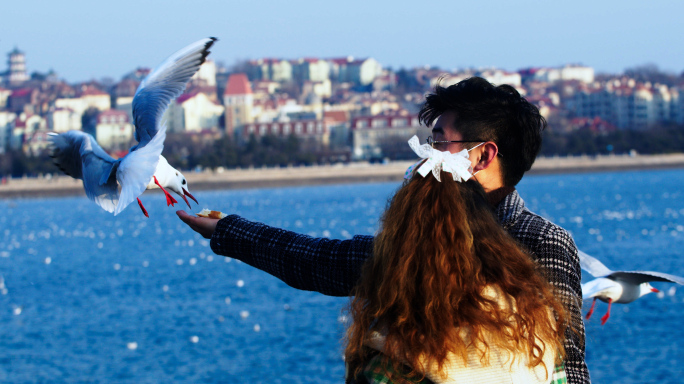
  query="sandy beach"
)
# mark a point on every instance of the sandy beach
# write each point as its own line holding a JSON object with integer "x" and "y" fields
{"x": 336, "y": 174}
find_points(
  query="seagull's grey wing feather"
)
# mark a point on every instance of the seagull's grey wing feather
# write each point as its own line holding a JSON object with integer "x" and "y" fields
{"x": 638, "y": 277}
{"x": 137, "y": 168}
{"x": 592, "y": 265}
{"x": 79, "y": 156}
{"x": 163, "y": 85}
{"x": 597, "y": 287}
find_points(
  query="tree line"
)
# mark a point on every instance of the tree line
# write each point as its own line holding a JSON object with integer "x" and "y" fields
{"x": 187, "y": 152}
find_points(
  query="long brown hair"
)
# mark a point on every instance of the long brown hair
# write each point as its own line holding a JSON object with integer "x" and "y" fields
{"x": 439, "y": 245}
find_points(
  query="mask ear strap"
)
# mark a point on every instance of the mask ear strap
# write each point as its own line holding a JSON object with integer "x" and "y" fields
{"x": 482, "y": 143}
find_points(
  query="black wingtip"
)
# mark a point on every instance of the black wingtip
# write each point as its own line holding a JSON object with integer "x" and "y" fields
{"x": 208, "y": 45}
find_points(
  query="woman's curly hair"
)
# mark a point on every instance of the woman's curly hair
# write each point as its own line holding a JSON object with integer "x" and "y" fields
{"x": 439, "y": 245}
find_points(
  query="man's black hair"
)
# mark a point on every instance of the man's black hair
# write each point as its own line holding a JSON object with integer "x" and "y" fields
{"x": 491, "y": 113}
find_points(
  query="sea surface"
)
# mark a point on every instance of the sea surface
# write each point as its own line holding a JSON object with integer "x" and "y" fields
{"x": 89, "y": 297}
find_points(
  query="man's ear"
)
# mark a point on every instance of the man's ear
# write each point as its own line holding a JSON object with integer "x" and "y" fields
{"x": 486, "y": 156}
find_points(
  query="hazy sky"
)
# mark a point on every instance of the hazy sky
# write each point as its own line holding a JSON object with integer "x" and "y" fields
{"x": 84, "y": 40}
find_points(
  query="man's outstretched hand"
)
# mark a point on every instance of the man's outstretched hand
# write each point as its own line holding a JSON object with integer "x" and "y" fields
{"x": 202, "y": 225}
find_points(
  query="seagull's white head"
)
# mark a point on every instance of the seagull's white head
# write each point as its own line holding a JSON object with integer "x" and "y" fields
{"x": 179, "y": 185}
{"x": 646, "y": 288}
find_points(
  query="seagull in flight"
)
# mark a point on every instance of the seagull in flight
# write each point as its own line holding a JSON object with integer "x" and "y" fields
{"x": 113, "y": 184}
{"x": 618, "y": 286}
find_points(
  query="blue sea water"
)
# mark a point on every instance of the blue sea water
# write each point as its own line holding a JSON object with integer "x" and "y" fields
{"x": 89, "y": 297}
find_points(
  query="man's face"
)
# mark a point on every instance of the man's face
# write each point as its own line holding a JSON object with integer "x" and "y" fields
{"x": 444, "y": 129}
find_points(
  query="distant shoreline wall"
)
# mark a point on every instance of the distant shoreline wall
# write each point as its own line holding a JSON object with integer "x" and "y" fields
{"x": 338, "y": 174}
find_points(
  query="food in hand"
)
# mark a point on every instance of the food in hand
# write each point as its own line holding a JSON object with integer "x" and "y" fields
{"x": 211, "y": 214}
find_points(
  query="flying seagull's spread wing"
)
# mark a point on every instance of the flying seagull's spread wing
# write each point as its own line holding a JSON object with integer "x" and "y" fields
{"x": 638, "y": 277}
{"x": 592, "y": 265}
{"x": 151, "y": 99}
{"x": 79, "y": 156}
{"x": 163, "y": 85}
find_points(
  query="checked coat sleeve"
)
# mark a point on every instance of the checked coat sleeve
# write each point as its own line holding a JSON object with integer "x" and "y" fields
{"x": 328, "y": 266}
{"x": 557, "y": 254}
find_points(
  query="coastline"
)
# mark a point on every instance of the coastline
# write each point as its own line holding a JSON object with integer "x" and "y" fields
{"x": 337, "y": 174}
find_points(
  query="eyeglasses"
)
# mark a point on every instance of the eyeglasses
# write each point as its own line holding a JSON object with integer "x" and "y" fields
{"x": 432, "y": 142}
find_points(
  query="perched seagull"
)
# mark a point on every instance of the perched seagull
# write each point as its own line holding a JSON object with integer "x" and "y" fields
{"x": 114, "y": 184}
{"x": 618, "y": 286}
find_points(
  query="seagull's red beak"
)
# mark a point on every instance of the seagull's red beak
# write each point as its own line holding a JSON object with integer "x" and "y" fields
{"x": 185, "y": 191}
{"x": 654, "y": 290}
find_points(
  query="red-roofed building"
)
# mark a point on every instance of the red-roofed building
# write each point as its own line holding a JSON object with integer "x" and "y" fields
{"x": 238, "y": 84}
{"x": 238, "y": 101}
{"x": 22, "y": 99}
{"x": 338, "y": 124}
{"x": 336, "y": 117}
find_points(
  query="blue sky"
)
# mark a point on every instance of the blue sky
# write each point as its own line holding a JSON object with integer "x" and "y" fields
{"x": 84, "y": 40}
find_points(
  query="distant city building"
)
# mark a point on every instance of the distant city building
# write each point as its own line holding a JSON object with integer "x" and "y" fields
{"x": 7, "y": 120}
{"x": 498, "y": 77}
{"x": 22, "y": 100}
{"x": 16, "y": 69}
{"x": 35, "y": 143}
{"x": 270, "y": 69}
{"x": 138, "y": 74}
{"x": 357, "y": 71}
{"x": 238, "y": 100}
{"x": 266, "y": 87}
{"x": 194, "y": 112}
{"x": 311, "y": 133}
{"x": 567, "y": 73}
{"x": 114, "y": 130}
{"x": 63, "y": 119}
{"x": 88, "y": 98}
{"x": 321, "y": 89}
{"x": 4, "y": 95}
{"x": 494, "y": 76}
{"x": 206, "y": 75}
{"x": 25, "y": 126}
{"x": 371, "y": 133}
{"x": 310, "y": 69}
{"x": 338, "y": 123}
{"x": 627, "y": 104}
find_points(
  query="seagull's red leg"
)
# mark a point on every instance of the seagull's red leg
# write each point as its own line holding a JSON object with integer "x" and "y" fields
{"x": 143, "y": 208}
{"x": 607, "y": 315}
{"x": 591, "y": 310}
{"x": 169, "y": 199}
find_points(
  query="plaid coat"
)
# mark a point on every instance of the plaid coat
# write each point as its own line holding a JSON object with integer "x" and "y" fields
{"x": 332, "y": 267}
